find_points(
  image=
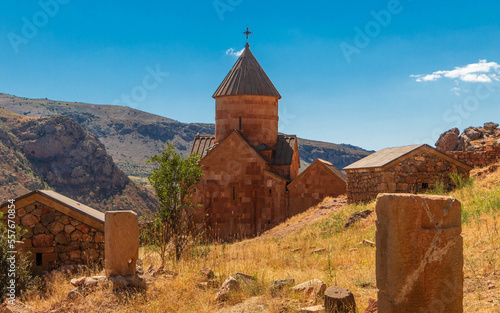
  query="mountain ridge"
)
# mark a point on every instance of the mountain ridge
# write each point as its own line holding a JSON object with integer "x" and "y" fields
{"x": 131, "y": 136}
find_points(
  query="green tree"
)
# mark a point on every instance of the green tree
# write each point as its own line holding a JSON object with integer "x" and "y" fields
{"x": 173, "y": 179}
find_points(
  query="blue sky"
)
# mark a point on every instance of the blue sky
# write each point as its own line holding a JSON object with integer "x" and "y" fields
{"x": 370, "y": 73}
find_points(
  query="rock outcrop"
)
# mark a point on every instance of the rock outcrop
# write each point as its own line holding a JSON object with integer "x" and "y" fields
{"x": 68, "y": 157}
{"x": 471, "y": 138}
{"x": 448, "y": 141}
{"x": 58, "y": 153}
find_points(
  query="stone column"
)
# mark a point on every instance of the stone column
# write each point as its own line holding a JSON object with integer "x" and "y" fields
{"x": 419, "y": 254}
{"x": 121, "y": 242}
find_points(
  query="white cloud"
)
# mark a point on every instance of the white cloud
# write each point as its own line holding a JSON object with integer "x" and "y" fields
{"x": 481, "y": 72}
{"x": 456, "y": 91}
{"x": 231, "y": 51}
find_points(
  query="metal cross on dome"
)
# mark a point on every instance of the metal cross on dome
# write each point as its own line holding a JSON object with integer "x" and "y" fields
{"x": 247, "y": 33}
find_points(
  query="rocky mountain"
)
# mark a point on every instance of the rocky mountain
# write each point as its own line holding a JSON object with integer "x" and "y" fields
{"x": 131, "y": 136}
{"x": 57, "y": 152}
{"x": 471, "y": 138}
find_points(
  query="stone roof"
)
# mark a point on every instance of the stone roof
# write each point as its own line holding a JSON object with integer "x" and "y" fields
{"x": 386, "y": 156}
{"x": 333, "y": 169}
{"x": 247, "y": 78}
{"x": 276, "y": 176}
{"x": 59, "y": 202}
{"x": 283, "y": 154}
{"x": 319, "y": 162}
{"x": 203, "y": 144}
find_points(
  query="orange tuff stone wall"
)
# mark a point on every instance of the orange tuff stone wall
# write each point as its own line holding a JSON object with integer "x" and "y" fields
{"x": 57, "y": 239}
{"x": 408, "y": 176}
{"x": 237, "y": 199}
{"x": 313, "y": 187}
{"x": 259, "y": 118}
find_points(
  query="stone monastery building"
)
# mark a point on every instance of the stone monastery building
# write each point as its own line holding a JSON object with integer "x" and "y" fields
{"x": 248, "y": 166}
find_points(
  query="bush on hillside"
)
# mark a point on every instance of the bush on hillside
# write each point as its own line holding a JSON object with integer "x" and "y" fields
{"x": 15, "y": 268}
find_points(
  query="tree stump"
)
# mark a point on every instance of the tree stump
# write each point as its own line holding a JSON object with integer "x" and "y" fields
{"x": 339, "y": 300}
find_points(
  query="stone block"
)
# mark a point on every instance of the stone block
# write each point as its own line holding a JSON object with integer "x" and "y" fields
{"x": 419, "y": 258}
{"x": 47, "y": 218}
{"x": 29, "y": 220}
{"x": 99, "y": 237}
{"x": 121, "y": 242}
{"x": 21, "y": 212}
{"x": 76, "y": 235}
{"x": 43, "y": 240}
{"x": 62, "y": 238}
{"x": 75, "y": 254}
{"x": 83, "y": 228}
{"x": 49, "y": 257}
{"x": 40, "y": 229}
{"x": 69, "y": 229}
{"x": 42, "y": 250}
{"x": 56, "y": 227}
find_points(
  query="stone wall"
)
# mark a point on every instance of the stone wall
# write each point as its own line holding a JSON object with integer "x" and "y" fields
{"x": 480, "y": 157}
{"x": 259, "y": 118}
{"x": 315, "y": 184}
{"x": 239, "y": 198}
{"x": 413, "y": 175}
{"x": 56, "y": 239}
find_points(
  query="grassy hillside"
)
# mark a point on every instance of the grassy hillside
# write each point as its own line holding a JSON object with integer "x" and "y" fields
{"x": 346, "y": 262}
{"x": 131, "y": 136}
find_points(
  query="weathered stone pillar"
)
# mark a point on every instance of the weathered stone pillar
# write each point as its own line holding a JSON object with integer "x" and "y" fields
{"x": 419, "y": 254}
{"x": 122, "y": 242}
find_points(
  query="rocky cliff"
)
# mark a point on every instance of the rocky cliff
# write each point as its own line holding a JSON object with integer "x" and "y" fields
{"x": 57, "y": 152}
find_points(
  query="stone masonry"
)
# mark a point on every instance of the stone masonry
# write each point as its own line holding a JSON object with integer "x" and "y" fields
{"x": 55, "y": 238}
{"x": 419, "y": 258}
{"x": 320, "y": 180}
{"x": 480, "y": 157}
{"x": 413, "y": 175}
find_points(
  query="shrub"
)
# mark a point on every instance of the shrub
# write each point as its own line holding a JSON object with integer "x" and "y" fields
{"x": 22, "y": 273}
{"x": 459, "y": 181}
{"x": 437, "y": 188}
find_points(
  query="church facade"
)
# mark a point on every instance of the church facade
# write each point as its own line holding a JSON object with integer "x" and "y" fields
{"x": 247, "y": 164}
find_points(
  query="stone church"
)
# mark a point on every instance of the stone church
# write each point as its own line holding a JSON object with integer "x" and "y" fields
{"x": 247, "y": 164}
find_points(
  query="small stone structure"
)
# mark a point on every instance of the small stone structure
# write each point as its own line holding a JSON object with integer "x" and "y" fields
{"x": 408, "y": 169}
{"x": 122, "y": 243}
{"x": 319, "y": 180}
{"x": 60, "y": 231}
{"x": 419, "y": 258}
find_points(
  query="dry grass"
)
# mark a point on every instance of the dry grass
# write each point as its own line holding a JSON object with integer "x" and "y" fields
{"x": 346, "y": 262}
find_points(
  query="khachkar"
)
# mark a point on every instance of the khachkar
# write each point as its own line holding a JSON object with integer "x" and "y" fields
{"x": 121, "y": 243}
{"x": 419, "y": 254}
